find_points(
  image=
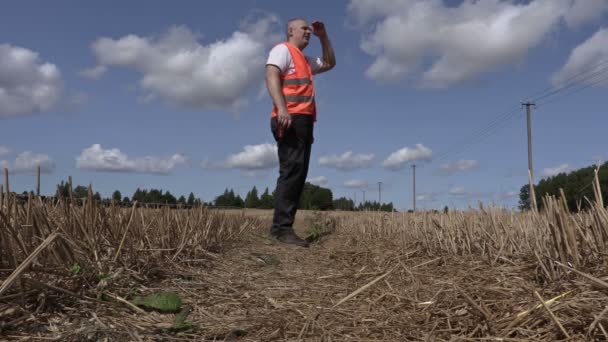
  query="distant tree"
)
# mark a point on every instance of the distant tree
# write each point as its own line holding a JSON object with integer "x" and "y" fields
{"x": 266, "y": 200}
{"x": 316, "y": 198}
{"x": 80, "y": 191}
{"x": 191, "y": 199}
{"x": 126, "y": 201}
{"x": 63, "y": 190}
{"x": 238, "y": 202}
{"x": 181, "y": 200}
{"x": 168, "y": 198}
{"x": 576, "y": 185}
{"x": 252, "y": 200}
{"x": 343, "y": 203}
{"x": 116, "y": 196}
{"x": 524, "y": 197}
{"x": 139, "y": 195}
{"x": 375, "y": 206}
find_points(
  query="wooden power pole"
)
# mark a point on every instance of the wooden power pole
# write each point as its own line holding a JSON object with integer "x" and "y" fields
{"x": 532, "y": 195}
{"x": 414, "y": 187}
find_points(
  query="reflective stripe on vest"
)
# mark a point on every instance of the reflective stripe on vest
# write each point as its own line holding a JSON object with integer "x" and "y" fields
{"x": 297, "y": 87}
{"x": 299, "y": 98}
{"x": 296, "y": 81}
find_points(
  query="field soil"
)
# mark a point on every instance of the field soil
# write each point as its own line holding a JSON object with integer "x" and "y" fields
{"x": 345, "y": 287}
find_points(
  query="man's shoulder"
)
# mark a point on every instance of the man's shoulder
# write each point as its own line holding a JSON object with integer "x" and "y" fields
{"x": 279, "y": 48}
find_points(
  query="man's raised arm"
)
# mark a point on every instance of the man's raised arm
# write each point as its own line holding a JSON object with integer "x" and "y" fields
{"x": 329, "y": 58}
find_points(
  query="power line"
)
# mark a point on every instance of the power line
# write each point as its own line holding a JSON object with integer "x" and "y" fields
{"x": 538, "y": 95}
{"x": 504, "y": 119}
{"x": 576, "y": 90}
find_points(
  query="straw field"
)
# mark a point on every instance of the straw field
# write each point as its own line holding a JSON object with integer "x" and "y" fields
{"x": 79, "y": 272}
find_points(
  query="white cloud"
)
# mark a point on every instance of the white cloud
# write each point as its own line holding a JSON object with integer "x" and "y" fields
{"x": 427, "y": 197}
{"x": 95, "y": 72}
{"x": 553, "y": 171}
{"x": 252, "y": 158}
{"x": 356, "y": 184}
{"x": 96, "y": 158}
{"x": 398, "y": 159}
{"x": 28, "y": 162}
{"x": 4, "y": 151}
{"x": 590, "y": 53}
{"x": 319, "y": 181}
{"x": 458, "y": 191}
{"x": 459, "y": 165}
{"x": 509, "y": 195}
{"x": 27, "y": 85}
{"x": 347, "y": 161}
{"x": 178, "y": 69}
{"x": 459, "y": 43}
{"x": 583, "y": 11}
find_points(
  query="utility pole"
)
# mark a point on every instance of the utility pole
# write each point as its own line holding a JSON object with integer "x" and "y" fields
{"x": 532, "y": 195}
{"x": 38, "y": 182}
{"x": 380, "y": 193}
{"x": 414, "y": 187}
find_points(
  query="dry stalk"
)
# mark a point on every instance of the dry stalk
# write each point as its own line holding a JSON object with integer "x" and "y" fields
{"x": 9, "y": 281}
{"x": 364, "y": 287}
{"x": 553, "y": 317}
{"x": 126, "y": 231}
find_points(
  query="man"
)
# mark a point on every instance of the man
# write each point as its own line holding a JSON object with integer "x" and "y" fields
{"x": 289, "y": 82}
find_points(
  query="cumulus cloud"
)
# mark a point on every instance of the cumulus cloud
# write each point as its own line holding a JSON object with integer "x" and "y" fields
{"x": 591, "y": 53}
{"x": 509, "y": 195}
{"x": 96, "y": 158}
{"x": 458, "y": 166}
{"x": 427, "y": 197}
{"x": 458, "y": 191}
{"x": 347, "y": 161}
{"x": 553, "y": 171}
{"x": 179, "y": 70}
{"x": 356, "y": 184}
{"x": 398, "y": 159}
{"x": 252, "y": 158}
{"x": 459, "y": 43}
{"x": 319, "y": 181}
{"x": 28, "y": 162}
{"x": 5, "y": 151}
{"x": 27, "y": 84}
{"x": 95, "y": 72}
{"x": 583, "y": 11}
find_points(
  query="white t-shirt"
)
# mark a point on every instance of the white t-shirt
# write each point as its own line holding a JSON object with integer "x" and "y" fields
{"x": 280, "y": 56}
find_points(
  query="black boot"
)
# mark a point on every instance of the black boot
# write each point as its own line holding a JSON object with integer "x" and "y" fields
{"x": 291, "y": 238}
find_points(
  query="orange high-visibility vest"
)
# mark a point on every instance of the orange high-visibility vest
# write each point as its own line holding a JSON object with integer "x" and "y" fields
{"x": 298, "y": 89}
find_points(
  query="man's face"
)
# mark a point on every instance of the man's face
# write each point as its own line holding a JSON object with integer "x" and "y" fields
{"x": 300, "y": 33}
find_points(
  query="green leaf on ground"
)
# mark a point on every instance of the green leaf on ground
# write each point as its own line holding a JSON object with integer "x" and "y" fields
{"x": 268, "y": 259}
{"x": 162, "y": 302}
{"x": 180, "y": 323}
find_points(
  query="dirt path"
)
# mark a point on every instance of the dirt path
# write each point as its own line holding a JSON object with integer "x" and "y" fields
{"x": 260, "y": 290}
{"x": 345, "y": 288}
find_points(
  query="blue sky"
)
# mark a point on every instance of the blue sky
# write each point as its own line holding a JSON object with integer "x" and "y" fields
{"x": 153, "y": 94}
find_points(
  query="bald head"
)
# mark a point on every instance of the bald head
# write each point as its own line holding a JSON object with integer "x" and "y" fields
{"x": 298, "y": 32}
{"x": 293, "y": 23}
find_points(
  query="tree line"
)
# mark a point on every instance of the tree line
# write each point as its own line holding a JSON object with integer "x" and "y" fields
{"x": 577, "y": 187}
{"x": 313, "y": 198}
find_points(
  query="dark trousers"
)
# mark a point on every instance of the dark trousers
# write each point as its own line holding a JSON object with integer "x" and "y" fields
{"x": 294, "y": 156}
